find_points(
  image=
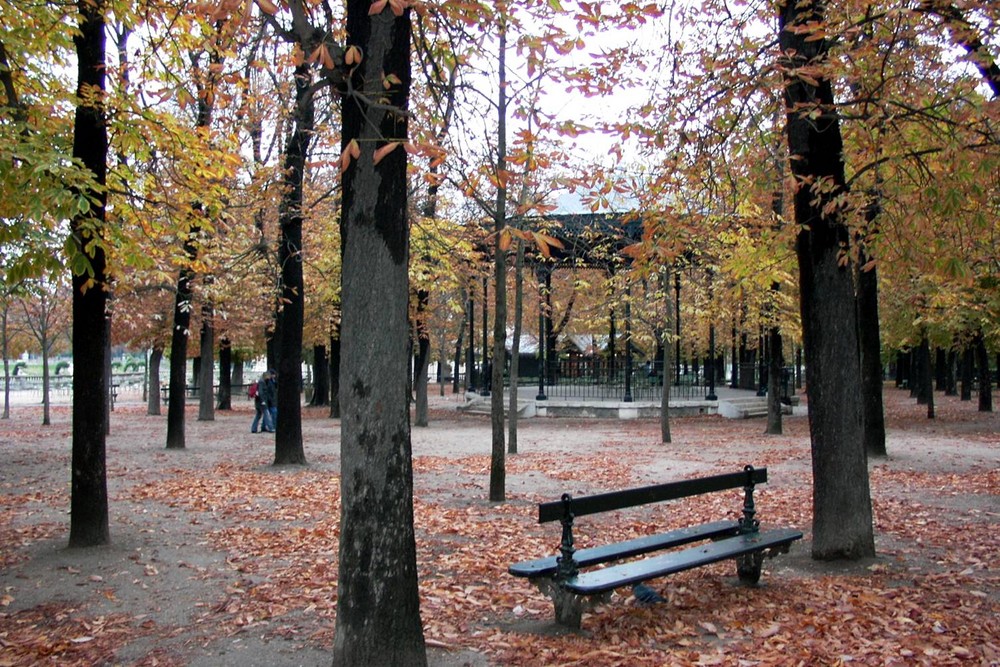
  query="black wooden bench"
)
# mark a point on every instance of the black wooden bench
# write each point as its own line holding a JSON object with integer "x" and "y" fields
{"x": 561, "y": 578}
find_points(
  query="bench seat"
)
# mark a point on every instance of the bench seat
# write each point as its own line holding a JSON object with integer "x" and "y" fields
{"x": 616, "y": 576}
{"x": 547, "y": 567}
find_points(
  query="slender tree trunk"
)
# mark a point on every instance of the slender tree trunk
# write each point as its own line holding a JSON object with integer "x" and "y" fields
{"x": 842, "y": 509}
{"x": 926, "y": 375}
{"x": 6, "y": 362}
{"x": 968, "y": 356}
{"x": 288, "y": 446}
{"x": 225, "y": 375}
{"x": 775, "y": 363}
{"x": 206, "y": 375}
{"x": 378, "y": 607}
{"x": 153, "y": 398}
{"x": 459, "y": 341}
{"x": 515, "y": 348}
{"x": 88, "y": 491}
{"x": 498, "y": 465}
{"x": 423, "y": 358}
{"x": 983, "y": 367}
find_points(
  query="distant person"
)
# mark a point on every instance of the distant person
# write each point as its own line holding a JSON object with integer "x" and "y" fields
{"x": 261, "y": 407}
{"x": 271, "y": 391}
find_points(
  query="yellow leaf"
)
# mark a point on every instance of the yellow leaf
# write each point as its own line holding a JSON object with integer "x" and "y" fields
{"x": 504, "y": 240}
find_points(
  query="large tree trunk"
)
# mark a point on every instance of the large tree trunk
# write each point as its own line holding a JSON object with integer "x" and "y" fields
{"x": 378, "y": 607}
{"x": 153, "y": 398}
{"x": 873, "y": 412}
{"x": 89, "y": 492}
{"x": 842, "y": 509}
{"x": 321, "y": 377}
{"x": 288, "y": 436}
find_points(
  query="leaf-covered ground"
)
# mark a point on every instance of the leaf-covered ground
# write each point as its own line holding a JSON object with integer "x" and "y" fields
{"x": 218, "y": 558}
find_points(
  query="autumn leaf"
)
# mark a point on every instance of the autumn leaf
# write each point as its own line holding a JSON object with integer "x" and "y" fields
{"x": 385, "y": 150}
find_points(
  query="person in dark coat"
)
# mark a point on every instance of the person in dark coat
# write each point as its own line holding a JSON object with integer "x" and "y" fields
{"x": 262, "y": 408}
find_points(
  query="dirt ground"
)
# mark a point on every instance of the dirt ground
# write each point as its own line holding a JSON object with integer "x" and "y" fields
{"x": 219, "y": 558}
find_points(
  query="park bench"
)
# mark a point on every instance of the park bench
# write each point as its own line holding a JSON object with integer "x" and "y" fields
{"x": 562, "y": 577}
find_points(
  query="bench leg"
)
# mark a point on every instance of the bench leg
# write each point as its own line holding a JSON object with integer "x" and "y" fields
{"x": 568, "y": 606}
{"x": 748, "y": 567}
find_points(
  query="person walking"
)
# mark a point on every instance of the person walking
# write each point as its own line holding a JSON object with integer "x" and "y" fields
{"x": 271, "y": 389}
{"x": 269, "y": 399}
{"x": 261, "y": 407}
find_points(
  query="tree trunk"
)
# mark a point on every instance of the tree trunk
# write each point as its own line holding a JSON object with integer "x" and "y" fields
{"x": 776, "y": 362}
{"x": 225, "y": 375}
{"x": 926, "y": 375}
{"x": 423, "y": 358}
{"x": 378, "y": 607}
{"x": 178, "y": 354}
{"x": 873, "y": 412}
{"x": 459, "y": 341}
{"x": 983, "y": 369}
{"x": 89, "y": 492}
{"x": 153, "y": 399}
{"x": 321, "y": 377}
{"x": 968, "y": 362}
{"x": 46, "y": 416}
{"x": 498, "y": 464}
{"x": 335, "y": 374}
{"x": 206, "y": 373}
{"x": 515, "y": 347}
{"x": 6, "y": 362}
{"x": 842, "y": 509}
{"x": 288, "y": 431}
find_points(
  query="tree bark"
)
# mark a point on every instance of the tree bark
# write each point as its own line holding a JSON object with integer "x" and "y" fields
{"x": 983, "y": 369}
{"x": 423, "y": 358}
{"x": 335, "y": 373}
{"x": 321, "y": 377}
{"x": 88, "y": 492}
{"x": 498, "y": 464}
{"x": 206, "y": 372}
{"x": 873, "y": 411}
{"x": 378, "y": 607}
{"x": 968, "y": 363}
{"x": 775, "y": 363}
{"x": 153, "y": 399}
{"x": 178, "y": 354}
{"x": 225, "y": 375}
{"x": 288, "y": 446}
{"x": 842, "y": 509}
{"x": 515, "y": 347}
{"x": 926, "y": 375}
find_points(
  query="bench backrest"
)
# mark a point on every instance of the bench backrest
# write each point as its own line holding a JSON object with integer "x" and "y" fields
{"x": 616, "y": 500}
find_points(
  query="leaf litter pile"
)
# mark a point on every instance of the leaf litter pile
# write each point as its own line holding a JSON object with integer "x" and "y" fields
{"x": 215, "y": 550}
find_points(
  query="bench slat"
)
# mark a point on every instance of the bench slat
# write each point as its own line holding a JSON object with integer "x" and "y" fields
{"x": 616, "y": 576}
{"x": 616, "y": 500}
{"x": 546, "y": 567}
